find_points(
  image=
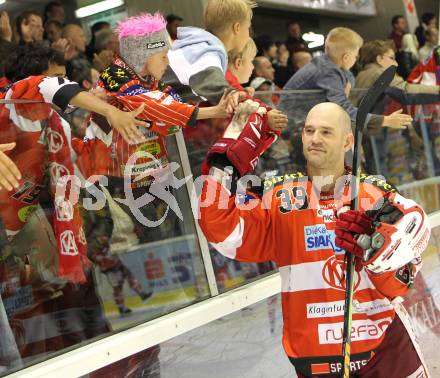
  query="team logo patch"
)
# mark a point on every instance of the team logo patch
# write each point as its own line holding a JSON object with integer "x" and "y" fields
{"x": 68, "y": 244}
{"x": 318, "y": 238}
{"x": 57, "y": 171}
{"x": 63, "y": 210}
{"x": 55, "y": 141}
{"x": 333, "y": 273}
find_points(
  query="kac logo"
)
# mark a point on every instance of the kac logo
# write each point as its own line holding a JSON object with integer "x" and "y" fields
{"x": 333, "y": 273}
{"x": 57, "y": 171}
{"x": 68, "y": 244}
{"x": 63, "y": 209}
{"x": 55, "y": 141}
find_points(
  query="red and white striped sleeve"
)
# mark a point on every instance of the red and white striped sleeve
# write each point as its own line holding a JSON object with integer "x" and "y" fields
{"x": 241, "y": 232}
{"x": 51, "y": 90}
{"x": 161, "y": 110}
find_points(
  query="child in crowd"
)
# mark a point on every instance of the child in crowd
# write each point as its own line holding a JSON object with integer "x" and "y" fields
{"x": 131, "y": 80}
{"x": 330, "y": 73}
{"x": 240, "y": 67}
{"x": 199, "y": 58}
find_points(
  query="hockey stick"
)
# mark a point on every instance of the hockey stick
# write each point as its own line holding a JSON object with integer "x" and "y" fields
{"x": 365, "y": 106}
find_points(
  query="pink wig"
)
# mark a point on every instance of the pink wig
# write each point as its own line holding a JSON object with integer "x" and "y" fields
{"x": 139, "y": 26}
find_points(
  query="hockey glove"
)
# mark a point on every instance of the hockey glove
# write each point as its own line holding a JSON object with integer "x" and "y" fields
{"x": 349, "y": 225}
{"x": 245, "y": 139}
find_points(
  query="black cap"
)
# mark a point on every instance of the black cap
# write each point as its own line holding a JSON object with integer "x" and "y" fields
{"x": 172, "y": 17}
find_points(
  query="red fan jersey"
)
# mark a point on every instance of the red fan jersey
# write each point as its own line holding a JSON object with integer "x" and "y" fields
{"x": 106, "y": 151}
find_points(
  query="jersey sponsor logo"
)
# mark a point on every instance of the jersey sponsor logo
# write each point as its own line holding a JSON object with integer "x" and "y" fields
{"x": 361, "y": 330}
{"x": 354, "y": 366}
{"x": 328, "y": 215}
{"x": 63, "y": 210}
{"x": 317, "y": 238}
{"x": 336, "y": 308}
{"x": 68, "y": 244}
{"x": 55, "y": 141}
{"x": 324, "y": 310}
{"x": 133, "y": 90}
{"x": 333, "y": 273}
{"x": 142, "y": 168}
{"x": 152, "y": 148}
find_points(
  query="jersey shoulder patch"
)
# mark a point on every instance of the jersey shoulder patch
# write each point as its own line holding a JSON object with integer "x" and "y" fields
{"x": 283, "y": 179}
{"x": 378, "y": 182}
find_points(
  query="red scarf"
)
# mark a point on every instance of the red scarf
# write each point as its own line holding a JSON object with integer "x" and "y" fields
{"x": 38, "y": 151}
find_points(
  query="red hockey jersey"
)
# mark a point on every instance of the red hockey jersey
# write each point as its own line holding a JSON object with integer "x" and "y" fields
{"x": 294, "y": 227}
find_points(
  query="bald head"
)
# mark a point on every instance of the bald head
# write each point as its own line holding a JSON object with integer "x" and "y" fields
{"x": 331, "y": 113}
{"x": 263, "y": 68}
{"x": 326, "y": 137}
{"x": 76, "y": 37}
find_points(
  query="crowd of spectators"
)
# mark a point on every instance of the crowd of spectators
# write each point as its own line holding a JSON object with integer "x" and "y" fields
{"x": 43, "y": 44}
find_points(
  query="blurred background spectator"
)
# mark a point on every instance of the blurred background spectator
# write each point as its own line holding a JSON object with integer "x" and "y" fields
{"x": 106, "y": 46}
{"x": 431, "y": 40}
{"x": 295, "y": 40}
{"x": 263, "y": 68}
{"x": 53, "y": 31}
{"x": 400, "y": 27}
{"x": 300, "y": 58}
{"x": 429, "y": 20}
{"x": 173, "y": 22}
{"x": 29, "y": 26}
{"x": 54, "y": 11}
{"x": 96, "y": 27}
{"x": 408, "y": 56}
{"x": 76, "y": 38}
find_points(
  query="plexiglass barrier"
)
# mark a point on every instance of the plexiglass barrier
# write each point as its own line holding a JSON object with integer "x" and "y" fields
{"x": 139, "y": 260}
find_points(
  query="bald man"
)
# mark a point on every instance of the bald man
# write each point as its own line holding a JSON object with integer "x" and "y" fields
{"x": 77, "y": 40}
{"x": 294, "y": 224}
{"x": 263, "y": 68}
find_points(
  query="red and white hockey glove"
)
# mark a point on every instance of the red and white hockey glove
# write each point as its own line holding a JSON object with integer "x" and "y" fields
{"x": 349, "y": 225}
{"x": 400, "y": 233}
{"x": 244, "y": 141}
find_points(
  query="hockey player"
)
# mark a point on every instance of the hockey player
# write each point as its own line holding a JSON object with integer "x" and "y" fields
{"x": 294, "y": 224}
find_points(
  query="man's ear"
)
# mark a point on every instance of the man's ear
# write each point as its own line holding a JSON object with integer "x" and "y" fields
{"x": 349, "y": 142}
{"x": 87, "y": 85}
{"x": 236, "y": 26}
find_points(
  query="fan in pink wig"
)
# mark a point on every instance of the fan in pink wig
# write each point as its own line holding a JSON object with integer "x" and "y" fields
{"x": 141, "y": 37}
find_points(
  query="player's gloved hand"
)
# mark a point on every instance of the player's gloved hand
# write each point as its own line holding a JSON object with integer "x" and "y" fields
{"x": 349, "y": 225}
{"x": 245, "y": 139}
